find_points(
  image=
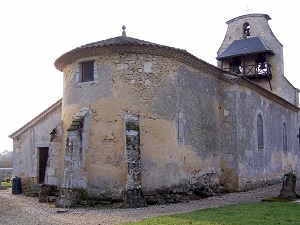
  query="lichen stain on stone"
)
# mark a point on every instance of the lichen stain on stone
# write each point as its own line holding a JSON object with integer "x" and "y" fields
{"x": 132, "y": 125}
{"x": 231, "y": 179}
{"x": 133, "y": 195}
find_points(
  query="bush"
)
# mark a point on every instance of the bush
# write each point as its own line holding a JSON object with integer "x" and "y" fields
{"x": 7, "y": 179}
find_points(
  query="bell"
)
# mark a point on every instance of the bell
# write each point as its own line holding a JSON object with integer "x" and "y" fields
{"x": 262, "y": 66}
{"x": 237, "y": 70}
{"x": 246, "y": 32}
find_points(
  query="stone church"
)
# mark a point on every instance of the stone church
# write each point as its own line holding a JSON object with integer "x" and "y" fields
{"x": 142, "y": 117}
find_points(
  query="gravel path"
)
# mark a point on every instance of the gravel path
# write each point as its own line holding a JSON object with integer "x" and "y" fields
{"x": 22, "y": 210}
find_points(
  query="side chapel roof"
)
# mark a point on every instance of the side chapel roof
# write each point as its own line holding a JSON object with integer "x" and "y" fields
{"x": 244, "y": 47}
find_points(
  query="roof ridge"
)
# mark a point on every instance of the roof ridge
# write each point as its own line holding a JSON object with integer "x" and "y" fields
{"x": 36, "y": 119}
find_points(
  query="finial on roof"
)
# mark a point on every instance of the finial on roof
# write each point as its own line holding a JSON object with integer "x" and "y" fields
{"x": 123, "y": 33}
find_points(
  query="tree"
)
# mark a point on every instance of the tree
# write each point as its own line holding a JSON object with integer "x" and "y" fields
{"x": 6, "y": 159}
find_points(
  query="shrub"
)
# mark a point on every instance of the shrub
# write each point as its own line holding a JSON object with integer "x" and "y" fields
{"x": 7, "y": 179}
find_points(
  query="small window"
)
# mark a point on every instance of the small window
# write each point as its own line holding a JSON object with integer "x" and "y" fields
{"x": 260, "y": 131}
{"x": 87, "y": 71}
{"x": 284, "y": 136}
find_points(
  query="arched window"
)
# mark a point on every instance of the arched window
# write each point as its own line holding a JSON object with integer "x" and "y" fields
{"x": 299, "y": 137}
{"x": 260, "y": 131}
{"x": 284, "y": 136}
{"x": 246, "y": 30}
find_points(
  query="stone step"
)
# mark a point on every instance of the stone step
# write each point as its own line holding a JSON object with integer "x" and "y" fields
{"x": 32, "y": 194}
{"x": 33, "y": 190}
{"x": 37, "y": 186}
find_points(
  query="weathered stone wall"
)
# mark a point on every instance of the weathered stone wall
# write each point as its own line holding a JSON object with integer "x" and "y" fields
{"x": 191, "y": 124}
{"x": 180, "y": 141}
{"x": 5, "y": 172}
{"x": 254, "y": 165}
{"x": 186, "y": 130}
{"x": 244, "y": 165}
{"x": 55, "y": 149}
{"x": 259, "y": 26}
{"x": 262, "y": 165}
{"x": 74, "y": 173}
{"x": 229, "y": 152}
{"x": 25, "y": 147}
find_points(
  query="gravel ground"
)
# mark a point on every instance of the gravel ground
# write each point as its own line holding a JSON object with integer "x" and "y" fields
{"x": 22, "y": 210}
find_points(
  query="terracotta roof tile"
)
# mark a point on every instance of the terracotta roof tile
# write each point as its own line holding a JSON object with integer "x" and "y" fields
{"x": 119, "y": 41}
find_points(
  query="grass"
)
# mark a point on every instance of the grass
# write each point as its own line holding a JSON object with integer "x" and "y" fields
{"x": 6, "y": 184}
{"x": 263, "y": 213}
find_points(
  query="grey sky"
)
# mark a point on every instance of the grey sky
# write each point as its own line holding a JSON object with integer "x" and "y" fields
{"x": 34, "y": 33}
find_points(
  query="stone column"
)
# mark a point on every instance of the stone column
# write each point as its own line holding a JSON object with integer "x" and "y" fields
{"x": 133, "y": 195}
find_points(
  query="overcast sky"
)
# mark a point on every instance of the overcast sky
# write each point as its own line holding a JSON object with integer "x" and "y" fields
{"x": 34, "y": 33}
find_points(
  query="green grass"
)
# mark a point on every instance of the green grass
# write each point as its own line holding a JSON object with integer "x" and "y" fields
{"x": 6, "y": 184}
{"x": 263, "y": 213}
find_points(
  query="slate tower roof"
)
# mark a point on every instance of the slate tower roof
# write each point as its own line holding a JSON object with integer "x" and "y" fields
{"x": 244, "y": 47}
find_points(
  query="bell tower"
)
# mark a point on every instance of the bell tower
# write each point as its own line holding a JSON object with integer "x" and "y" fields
{"x": 250, "y": 49}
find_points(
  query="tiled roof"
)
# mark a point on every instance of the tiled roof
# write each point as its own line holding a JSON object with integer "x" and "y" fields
{"x": 120, "y": 41}
{"x": 244, "y": 47}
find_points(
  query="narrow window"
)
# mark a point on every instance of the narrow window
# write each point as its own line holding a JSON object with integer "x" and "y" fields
{"x": 246, "y": 30}
{"x": 87, "y": 71}
{"x": 284, "y": 136}
{"x": 180, "y": 128}
{"x": 260, "y": 131}
{"x": 299, "y": 138}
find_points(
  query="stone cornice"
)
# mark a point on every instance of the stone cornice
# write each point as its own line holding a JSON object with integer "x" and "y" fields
{"x": 36, "y": 120}
{"x": 158, "y": 50}
{"x": 266, "y": 16}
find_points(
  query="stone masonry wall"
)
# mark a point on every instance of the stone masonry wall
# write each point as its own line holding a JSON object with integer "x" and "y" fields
{"x": 55, "y": 148}
{"x": 259, "y": 26}
{"x": 258, "y": 166}
{"x": 230, "y": 178}
{"x": 180, "y": 141}
{"x": 25, "y": 148}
